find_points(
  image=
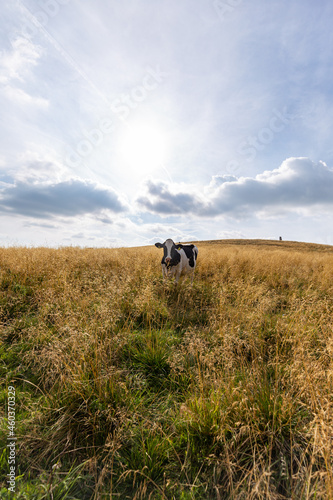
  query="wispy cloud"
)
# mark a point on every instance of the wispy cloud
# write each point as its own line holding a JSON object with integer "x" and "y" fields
{"x": 17, "y": 62}
{"x": 16, "y": 69}
{"x": 20, "y": 97}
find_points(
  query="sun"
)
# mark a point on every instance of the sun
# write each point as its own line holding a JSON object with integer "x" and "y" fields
{"x": 142, "y": 147}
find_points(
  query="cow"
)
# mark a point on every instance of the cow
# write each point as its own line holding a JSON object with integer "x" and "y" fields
{"x": 178, "y": 259}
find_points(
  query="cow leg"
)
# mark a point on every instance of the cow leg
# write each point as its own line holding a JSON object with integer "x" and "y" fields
{"x": 192, "y": 277}
{"x": 177, "y": 277}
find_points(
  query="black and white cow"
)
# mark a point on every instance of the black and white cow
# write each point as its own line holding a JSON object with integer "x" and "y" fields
{"x": 178, "y": 259}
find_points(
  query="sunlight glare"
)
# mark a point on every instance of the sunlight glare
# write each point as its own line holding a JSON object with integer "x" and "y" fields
{"x": 143, "y": 147}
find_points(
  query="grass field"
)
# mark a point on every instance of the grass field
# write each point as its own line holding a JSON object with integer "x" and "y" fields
{"x": 129, "y": 388}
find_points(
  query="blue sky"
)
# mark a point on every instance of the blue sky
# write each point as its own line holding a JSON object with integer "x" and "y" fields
{"x": 124, "y": 123}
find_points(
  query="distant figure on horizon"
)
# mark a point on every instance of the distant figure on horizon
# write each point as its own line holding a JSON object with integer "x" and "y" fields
{"x": 280, "y": 238}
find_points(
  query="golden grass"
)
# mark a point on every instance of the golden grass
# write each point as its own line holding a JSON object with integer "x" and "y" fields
{"x": 223, "y": 390}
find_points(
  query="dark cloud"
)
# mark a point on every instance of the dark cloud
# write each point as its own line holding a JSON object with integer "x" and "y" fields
{"x": 105, "y": 220}
{"x": 68, "y": 198}
{"x": 42, "y": 225}
{"x": 298, "y": 183}
{"x": 159, "y": 199}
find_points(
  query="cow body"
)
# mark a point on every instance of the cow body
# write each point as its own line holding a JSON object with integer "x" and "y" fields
{"x": 178, "y": 259}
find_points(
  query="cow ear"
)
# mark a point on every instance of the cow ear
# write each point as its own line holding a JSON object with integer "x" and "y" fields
{"x": 179, "y": 246}
{"x": 158, "y": 245}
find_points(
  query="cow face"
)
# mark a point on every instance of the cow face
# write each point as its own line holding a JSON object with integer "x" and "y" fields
{"x": 171, "y": 256}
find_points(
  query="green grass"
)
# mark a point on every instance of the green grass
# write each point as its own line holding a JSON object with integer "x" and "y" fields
{"x": 128, "y": 387}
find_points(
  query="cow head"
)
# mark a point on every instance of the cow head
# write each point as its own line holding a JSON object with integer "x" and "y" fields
{"x": 171, "y": 256}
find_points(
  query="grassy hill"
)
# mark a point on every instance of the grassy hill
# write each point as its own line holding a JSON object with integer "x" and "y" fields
{"x": 126, "y": 387}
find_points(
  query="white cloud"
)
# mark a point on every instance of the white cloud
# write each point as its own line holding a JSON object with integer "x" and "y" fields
{"x": 33, "y": 167}
{"x": 298, "y": 184}
{"x": 32, "y": 197}
{"x": 16, "y": 63}
{"x": 230, "y": 235}
{"x": 16, "y": 70}
{"x": 20, "y": 97}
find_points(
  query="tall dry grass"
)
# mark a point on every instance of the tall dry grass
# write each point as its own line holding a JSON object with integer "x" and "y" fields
{"x": 128, "y": 387}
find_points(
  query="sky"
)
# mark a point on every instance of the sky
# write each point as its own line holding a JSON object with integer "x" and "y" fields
{"x": 126, "y": 123}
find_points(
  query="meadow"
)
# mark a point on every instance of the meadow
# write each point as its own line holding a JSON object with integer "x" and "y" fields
{"x": 130, "y": 388}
